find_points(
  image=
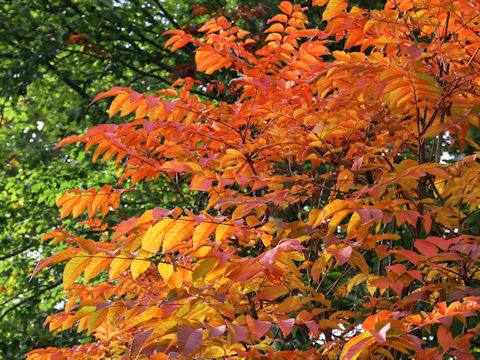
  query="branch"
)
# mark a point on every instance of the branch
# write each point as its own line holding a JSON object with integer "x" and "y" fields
{"x": 70, "y": 83}
{"x": 16, "y": 252}
{"x": 40, "y": 292}
{"x": 167, "y": 15}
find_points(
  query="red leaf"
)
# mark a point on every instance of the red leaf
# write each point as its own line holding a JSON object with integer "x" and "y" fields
{"x": 239, "y": 333}
{"x": 342, "y": 255}
{"x": 410, "y": 255}
{"x": 159, "y": 213}
{"x": 61, "y": 256}
{"x": 188, "y": 338}
{"x": 264, "y": 83}
{"x": 462, "y": 355}
{"x": 377, "y": 214}
{"x": 313, "y": 326}
{"x": 246, "y": 271}
{"x": 444, "y": 337}
{"x": 149, "y": 126}
{"x": 426, "y": 248}
{"x": 112, "y": 92}
{"x": 134, "y": 96}
{"x": 152, "y": 101}
{"x": 286, "y": 326}
{"x": 257, "y": 327}
{"x": 168, "y": 105}
{"x": 441, "y": 243}
{"x": 214, "y": 331}
{"x": 175, "y": 166}
{"x": 268, "y": 258}
{"x": 78, "y": 38}
{"x": 381, "y": 335}
{"x": 364, "y": 215}
{"x": 413, "y": 51}
{"x": 138, "y": 342}
{"x": 357, "y": 163}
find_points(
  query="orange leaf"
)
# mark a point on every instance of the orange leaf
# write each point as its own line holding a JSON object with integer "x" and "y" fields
{"x": 117, "y": 103}
{"x": 334, "y": 8}
{"x": 369, "y": 323}
{"x": 61, "y": 256}
{"x": 277, "y": 28}
{"x": 95, "y": 266}
{"x": 202, "y": 232}
{"x": 286, "y": 7}
{"x": 176, "y": 234}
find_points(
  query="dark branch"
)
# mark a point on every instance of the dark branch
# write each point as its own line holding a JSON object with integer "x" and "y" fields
{"x": 39, "y": 293}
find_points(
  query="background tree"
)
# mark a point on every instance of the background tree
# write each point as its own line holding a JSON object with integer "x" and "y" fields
{"x": 55, "y": 55}
{"x": 320, "y": 216}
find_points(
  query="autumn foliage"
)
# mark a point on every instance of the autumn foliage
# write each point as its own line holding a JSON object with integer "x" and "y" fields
{"x": 324, "y": 219}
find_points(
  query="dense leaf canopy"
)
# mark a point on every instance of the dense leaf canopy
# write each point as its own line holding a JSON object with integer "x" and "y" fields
{"x": 55, "y": 57}
{"x": 326, "y": 194}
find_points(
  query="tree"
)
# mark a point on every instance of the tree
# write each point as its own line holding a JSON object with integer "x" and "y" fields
{"x": 55, "y": 55}
{"x": 330, "y": 209}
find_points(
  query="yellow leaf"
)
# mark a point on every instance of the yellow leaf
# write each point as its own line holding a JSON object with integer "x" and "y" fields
{"x": 152, "y": 240}
{"x": 358, "y": 260}
{"x": 74, "y": 269}
{"x": 392, "y": 73}
{"x": 271, "y": 292}
{"x": 355, "y": 221}
{"x": 313, "y": 216}
{"x": 82, "y": 202}
{"x": 213, "y": 352}
{"x": 139, "y": 265}
{"x": 204, "y": 266}
{"x": 371, "y": 288}
{"x": 165, "y": 270}
{"x": 95, "y": 319}
{"x": 356, "y": 280}
{"x": 142, "y": 317}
